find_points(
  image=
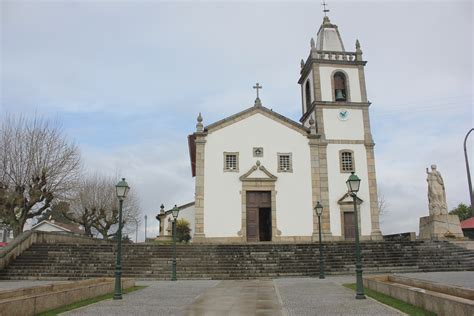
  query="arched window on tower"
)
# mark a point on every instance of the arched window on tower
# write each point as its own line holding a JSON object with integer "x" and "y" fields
{"x": 307, "y": 95}
{"x": 340, "y": 88}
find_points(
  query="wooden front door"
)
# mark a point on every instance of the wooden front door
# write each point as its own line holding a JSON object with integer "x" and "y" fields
{"x": 258, "y": 202}
{"x": 349, "y": 226}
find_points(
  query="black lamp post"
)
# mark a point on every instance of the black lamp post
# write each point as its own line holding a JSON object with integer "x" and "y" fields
{"x": 353, "y": 185}
{"x": 122, "y": 189}
{"x": 175, "y": 213}
{"x": 319, "y": 211}
{"x": 469, "y": 183}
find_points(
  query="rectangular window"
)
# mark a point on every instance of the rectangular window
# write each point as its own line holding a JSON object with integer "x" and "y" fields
{"x": 231, "y": 162}
{"x": 284, "y": 163}
{"x": 347, "y": 161}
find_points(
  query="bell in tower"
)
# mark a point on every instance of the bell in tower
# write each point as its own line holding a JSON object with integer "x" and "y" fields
{"x": 340, "y": 87}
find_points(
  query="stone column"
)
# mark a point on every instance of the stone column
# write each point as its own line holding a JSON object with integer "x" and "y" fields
{"x": 319, "y": 184}
{"x": 199, "y": 189}
{"x": 316, "y": 83}
{"x": 376, "y": 234}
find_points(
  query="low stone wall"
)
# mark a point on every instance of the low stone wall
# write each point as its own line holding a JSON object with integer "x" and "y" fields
{"x": 411, "y": 236}
{"x": 435, "y": 297}
{"x": 38, "y": 299}
{"x": 26, "y": 239}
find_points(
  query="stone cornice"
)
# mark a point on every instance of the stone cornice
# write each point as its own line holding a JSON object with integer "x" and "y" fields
{"x": 332, "y": 105}
{"x": 258, "y": 166}
{"x": 311, "y": 60}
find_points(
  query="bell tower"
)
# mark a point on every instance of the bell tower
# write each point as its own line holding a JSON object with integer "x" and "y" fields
{"x": 334, "y": 102}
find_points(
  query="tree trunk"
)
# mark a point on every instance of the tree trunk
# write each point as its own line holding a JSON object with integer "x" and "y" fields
{"x": 17, "y": 229}
{"x": 88, "y": 230}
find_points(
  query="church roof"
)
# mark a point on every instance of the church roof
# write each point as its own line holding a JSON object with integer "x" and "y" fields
{"x": 328, "y": 38}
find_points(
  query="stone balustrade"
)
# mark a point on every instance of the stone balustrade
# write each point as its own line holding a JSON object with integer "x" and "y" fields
{"x": 335, "y": 56}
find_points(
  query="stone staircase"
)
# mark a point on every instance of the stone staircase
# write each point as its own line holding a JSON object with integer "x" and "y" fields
{"x": 236, "y": 261}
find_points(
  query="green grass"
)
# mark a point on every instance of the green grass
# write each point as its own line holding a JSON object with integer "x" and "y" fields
{"x": 87, "y": 302}
{"x": 393, "y": 302}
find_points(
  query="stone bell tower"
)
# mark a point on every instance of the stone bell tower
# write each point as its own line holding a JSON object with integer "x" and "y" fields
{"x": 334, "y": 102}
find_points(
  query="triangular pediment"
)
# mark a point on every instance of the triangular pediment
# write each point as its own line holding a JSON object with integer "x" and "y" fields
{"x": 258, "y": 173}
{"x": 257, "y": 110}
{"x": 348, "y": 199}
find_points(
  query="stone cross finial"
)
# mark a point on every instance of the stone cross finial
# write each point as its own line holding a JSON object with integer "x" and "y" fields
{"x": 324, "y": 4}
{"x": 257, "y": 100}
{"x": 312, "y": 42}
{"x": 302, "y": 63}
{"x": 199, "y": 126}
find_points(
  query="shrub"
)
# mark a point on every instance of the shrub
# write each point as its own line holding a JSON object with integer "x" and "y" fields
{"x": 183, "y": 231}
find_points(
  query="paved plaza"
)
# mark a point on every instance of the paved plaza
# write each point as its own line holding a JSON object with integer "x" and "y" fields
{"x": 288, "y": 296}
{"x": 292, "y": 296}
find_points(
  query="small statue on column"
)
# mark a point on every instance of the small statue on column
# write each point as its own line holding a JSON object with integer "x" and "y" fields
{"x": 436, "y": 192}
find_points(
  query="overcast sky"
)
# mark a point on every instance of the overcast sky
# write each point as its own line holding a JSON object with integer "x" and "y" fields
{"x": 128, "y": 78}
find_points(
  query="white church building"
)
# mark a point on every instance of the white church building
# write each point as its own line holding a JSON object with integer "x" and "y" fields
{"x": 258, "y": 174}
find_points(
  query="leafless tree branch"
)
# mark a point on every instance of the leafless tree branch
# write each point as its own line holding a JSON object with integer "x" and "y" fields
{"x": 37, "y": 165}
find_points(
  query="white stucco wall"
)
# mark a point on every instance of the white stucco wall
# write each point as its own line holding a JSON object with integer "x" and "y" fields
{"x": 353, "y": 81}
{"x": 338, "y": 187}
{"x": 352, "y": 128}
{"x": 222, "y": 190}
{"x": 187, "y": 214}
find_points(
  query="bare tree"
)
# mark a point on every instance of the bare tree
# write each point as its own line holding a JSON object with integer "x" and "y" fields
{"x": 37, "y": 166}
{"x": 95, "y": 206}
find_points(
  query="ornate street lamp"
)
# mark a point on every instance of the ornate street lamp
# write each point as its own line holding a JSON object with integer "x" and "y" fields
{"x": 353, "y": 185}
{"x": 122, "y": 189}
{"x": 319, "y": 211}
{"x": 175, "y": 213}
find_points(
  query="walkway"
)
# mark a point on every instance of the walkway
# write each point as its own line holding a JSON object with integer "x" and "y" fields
{"x": 293, "y": 296}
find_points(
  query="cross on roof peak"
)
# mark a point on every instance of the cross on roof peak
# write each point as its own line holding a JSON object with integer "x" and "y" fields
{"x": 257, "y": 100}
{"x": 257, "y": 87}
{"x": 324, "y": 4}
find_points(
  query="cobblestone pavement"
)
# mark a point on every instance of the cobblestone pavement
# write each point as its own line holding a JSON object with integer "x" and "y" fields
{"x": 243, "y": 297}
{"x": 159, "y": 298}
{"x": 311, "y": 296}
{"x": 294, "y": 296}
{"x": 459, "y": 278}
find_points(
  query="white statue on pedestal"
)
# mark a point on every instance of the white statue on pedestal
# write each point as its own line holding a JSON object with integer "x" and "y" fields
{"x": 436, "y": 192}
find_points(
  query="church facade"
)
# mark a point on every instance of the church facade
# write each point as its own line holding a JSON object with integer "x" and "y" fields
{"x": 258, "y": 174}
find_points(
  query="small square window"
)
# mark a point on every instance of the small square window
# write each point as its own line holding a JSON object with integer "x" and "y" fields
{"x": 347, "y": 161}
{"x": 231, "y": 162}
{"x": 258, "y": 151}
{"x": 285, "y": 163}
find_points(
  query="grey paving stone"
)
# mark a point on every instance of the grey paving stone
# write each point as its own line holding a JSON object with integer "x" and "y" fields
{"x": 311, "y": 296}
{"x": 159, "y": 298}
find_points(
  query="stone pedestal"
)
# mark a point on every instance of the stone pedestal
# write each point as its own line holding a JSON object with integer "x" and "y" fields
{"x": 440, "y": 227}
